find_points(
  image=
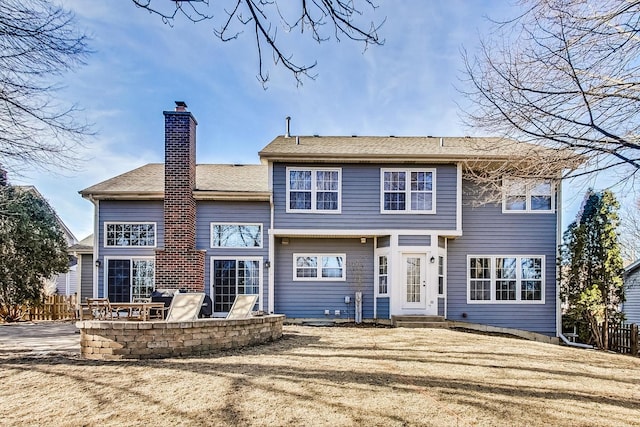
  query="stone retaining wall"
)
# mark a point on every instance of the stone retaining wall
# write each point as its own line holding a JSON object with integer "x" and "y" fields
{"x": 113, "y": 340}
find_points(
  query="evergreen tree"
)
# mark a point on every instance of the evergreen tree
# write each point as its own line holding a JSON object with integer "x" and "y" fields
{"x": 592, "y": 270}
{"x": 32, "y": 249}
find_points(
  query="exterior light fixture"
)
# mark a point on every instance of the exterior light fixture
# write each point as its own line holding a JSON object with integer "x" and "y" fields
{"x": 285, "y": 241}
{"x": 267, "y": 264}
{"x": 363, "y": 240}
{"x": 98, "y": 263}
{"x": 432, "y": 260}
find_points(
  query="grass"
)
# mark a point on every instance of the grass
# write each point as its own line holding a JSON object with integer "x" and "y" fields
{"x": 333, "y": 377}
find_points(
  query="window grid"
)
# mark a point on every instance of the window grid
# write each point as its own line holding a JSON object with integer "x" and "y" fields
{"x": 232, "y": 277}
{"x": 313, "y": 190}
{"x": 515, "y": 279}
{"x": 142, "y": 280}
{"x": 480, "y": 279}
{"x": 413, "y": 279}
{"x": 327, "y": 267}
{"x": 410, "y": 191}
{"x": 383, "y": 275}
{"x": 130, "y": 234}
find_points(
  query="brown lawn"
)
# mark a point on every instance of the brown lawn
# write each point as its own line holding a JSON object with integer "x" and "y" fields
{"x": 336, "y": 377}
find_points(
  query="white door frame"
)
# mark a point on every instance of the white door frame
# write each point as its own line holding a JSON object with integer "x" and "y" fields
{"x": 428, "y": 301}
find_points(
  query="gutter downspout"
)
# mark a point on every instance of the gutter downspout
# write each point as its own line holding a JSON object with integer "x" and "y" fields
{"x": 574, "y": 344}
{"x": 271, "y": 273}
{"x": 96, "y": 249}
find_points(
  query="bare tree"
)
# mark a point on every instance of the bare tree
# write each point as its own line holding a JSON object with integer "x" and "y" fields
{"x": 38, "y": 43}
{"x": 321, "y": 19}
{"x": 564, "y": 75}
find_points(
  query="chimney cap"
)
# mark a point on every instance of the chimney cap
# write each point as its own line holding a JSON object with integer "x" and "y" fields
{"x": 181, "y": 106}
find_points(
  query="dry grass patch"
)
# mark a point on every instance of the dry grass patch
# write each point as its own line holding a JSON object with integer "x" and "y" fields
{"x": 334, "y": 376}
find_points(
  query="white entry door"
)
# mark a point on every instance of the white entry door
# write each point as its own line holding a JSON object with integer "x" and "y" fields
{"x": 414, "y": 281}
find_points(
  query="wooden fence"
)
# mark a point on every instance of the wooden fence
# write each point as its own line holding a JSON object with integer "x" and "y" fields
{"x": 53, "y": 307}
{"x": 623, "y": 338}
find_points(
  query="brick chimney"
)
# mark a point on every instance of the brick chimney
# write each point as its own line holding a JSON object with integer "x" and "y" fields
{"x": 179, "y": 265}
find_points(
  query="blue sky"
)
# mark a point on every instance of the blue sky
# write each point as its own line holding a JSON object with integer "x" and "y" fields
{"x": 141, "y": 66}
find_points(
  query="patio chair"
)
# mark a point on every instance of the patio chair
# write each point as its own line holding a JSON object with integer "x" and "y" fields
{"x": 100, "y": 308}
{"x": 242, "y": 306}
{"x": 185, "y": 307}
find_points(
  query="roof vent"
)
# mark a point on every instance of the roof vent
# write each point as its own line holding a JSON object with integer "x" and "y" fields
{"x": 315, "y": 135}
{"x": 297, "y": 140}
{"x": 354, "y": 136}
{"x": 288, "y": 121}
{"x": 441, "y": 142}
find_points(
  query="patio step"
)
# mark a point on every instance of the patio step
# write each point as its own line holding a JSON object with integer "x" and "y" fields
{"x": 419, "y": 322}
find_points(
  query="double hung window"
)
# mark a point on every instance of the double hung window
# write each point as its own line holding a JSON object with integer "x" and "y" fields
{"x": 313, "y": 190}
{"x": 408, "y": 191}
{"x": 506, "y": 279}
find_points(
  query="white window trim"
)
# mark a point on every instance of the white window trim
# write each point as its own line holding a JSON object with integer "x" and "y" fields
{"x": 211, "y": 239}
{"x": 314, "y": 190}
{"x": 377, "y": 275}
{"x": 107, "y": 223}
{"x": 408, "y": 191}
{"x": 493, "y": 299}
{"x": 528, "y": 183}
{"x": 235, "y": 258}
{"x": 131, "y": 259}
{"x": 319, "y": 277}
{"x": 442, "y": 255}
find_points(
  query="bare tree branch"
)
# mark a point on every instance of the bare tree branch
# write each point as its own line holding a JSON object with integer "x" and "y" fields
{"x": 564, "y": 75}
{"x": 343, "y": 16}
{"x": 38, "y": 42}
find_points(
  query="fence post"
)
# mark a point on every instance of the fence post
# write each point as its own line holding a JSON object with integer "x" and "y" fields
{"x": 634, "y": 339}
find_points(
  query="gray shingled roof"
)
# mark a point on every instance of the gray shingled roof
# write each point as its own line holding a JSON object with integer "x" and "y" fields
{"x": 148, "y": 181}
{"x": 390, "y": 148}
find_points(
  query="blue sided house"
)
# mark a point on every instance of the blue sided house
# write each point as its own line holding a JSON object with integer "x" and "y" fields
{"x": 323, "y": 219}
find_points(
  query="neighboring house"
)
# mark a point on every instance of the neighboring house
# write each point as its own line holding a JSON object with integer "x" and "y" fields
{"x": 325, "y": 217}
{"x": 65, "y": 282}
{"x": 631, "y": 307}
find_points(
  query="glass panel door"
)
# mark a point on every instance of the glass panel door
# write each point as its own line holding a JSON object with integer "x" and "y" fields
{"x": 415, "y": 284}
{"x": 233, "y": 277}
{"x": 119, "y": 280}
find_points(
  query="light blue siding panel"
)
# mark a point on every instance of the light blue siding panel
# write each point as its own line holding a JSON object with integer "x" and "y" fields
{"x": 361, "y": 202}
{"x": 440, "y": 306}
{"x": 414, "y": 240}
{"x": 128, "y": 211}
{"x": 631, "y": 306}
{"x": 487, "y": 231}
{"x": 233, "y": 212}
{"x": 86, "y": 276}
{"x": 309, "y": 299}
{"x": 383, "y": 307}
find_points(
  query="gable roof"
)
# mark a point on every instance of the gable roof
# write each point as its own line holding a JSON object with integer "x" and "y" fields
{"x": 83, "y": 246}
{"x": 405, "y": 149}
{"x": 213, "y": 182}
